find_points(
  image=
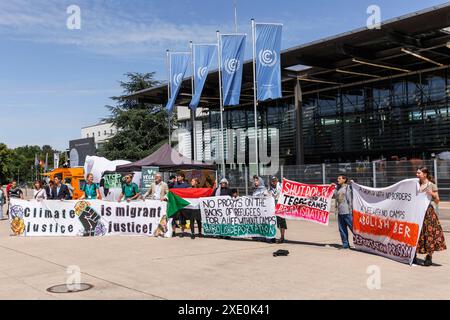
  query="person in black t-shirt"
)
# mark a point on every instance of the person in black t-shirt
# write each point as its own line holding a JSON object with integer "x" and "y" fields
{"x": 15, "y": 192}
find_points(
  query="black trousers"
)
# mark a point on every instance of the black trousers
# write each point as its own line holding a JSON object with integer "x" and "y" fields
{"x": 193, "y": 216}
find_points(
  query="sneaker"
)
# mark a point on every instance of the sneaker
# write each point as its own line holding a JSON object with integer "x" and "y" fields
{"x": 182, "y": 235}
{"x": 192, "y": 236}
{"x": 280, "y": 241}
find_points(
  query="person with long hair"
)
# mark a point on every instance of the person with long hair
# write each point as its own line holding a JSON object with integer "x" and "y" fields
{"x": 194, "y": 215}
{"x": 39, "y": 193}
{"x": 432, "y": 236}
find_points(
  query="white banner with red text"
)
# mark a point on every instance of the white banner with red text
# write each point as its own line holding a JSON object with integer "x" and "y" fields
{"x": 388, "y": 221}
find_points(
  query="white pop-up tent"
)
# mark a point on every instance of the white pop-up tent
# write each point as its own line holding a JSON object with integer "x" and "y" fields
{"x": 98, "y": 165}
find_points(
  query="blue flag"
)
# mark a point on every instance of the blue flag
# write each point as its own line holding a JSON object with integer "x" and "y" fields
{"x": 232, "y": 52}
{"x": 268, "y": 66}
{"x": 178, "y": 64}
{"x": 203, "y": 56}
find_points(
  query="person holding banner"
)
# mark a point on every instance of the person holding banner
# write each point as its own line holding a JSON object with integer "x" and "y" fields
{"x": 260, "y": 189}
{"x": 130, "y": 190}
{"x": 158, "y": 190}
{"x": 14, "y": 191}
{"x": 91, "y": 190}
{"x": 275, "y": 191}
{"x": 222, "y": 190}
{"x": 194, "y": 215}
{"x": 39, "y": 193}
{"x": 344, "y": 204}
{"x": 432, "y": 236}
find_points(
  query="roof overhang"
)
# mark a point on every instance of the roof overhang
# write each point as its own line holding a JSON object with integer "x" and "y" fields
{"x": 405, "y": 45}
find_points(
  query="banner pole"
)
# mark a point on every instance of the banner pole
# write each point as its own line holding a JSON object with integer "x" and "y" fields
{"x": 168, "y": 91}
{"x": 193, "y": 112}
{"x": 221, "y": 106}
{"x": 255, "y": 98}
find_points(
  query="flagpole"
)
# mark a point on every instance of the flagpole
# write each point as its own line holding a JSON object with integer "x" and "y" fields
{"x": 193, "y": 115}
{"x": 255, "y": 98}
{"x": 168, "y": 90}
{"x": 235, "y": 16}
{"x": 221, "y": 105}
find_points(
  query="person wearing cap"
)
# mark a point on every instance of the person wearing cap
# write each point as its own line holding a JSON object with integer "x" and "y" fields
{"x": 275, "y": 191}
{"x": 130, "y": 190}
{"x": 223, "y": 190}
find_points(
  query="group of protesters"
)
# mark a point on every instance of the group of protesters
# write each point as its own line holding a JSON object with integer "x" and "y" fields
{"x": 431, "y": 238}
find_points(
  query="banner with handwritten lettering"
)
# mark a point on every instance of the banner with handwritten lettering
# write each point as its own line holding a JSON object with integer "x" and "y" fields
{"x": 239, "y": 217}
{"x": 388, "y": 221}
{"x": 300, "y": 201}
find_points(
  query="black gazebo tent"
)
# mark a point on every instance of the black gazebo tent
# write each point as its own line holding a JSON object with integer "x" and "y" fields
{"x": 167, "y": 159}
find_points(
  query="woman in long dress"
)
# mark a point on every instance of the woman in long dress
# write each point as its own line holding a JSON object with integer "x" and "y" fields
{"x": 432, "y": 236}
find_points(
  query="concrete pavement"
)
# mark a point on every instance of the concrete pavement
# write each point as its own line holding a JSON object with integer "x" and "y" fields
{"x": 149, "y": 268}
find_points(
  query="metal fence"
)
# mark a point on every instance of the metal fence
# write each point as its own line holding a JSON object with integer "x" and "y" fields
{"x": 374, "y": 174}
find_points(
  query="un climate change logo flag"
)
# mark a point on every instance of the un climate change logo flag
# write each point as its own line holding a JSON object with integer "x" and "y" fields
{"x": 203, "y": 58}
{"x": 232, "y": 51}
{"x": 268, "y": 67}
{"x": 178, "y": 64}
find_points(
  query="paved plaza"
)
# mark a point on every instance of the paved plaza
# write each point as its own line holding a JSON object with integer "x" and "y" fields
{"x": 204, "y": 268}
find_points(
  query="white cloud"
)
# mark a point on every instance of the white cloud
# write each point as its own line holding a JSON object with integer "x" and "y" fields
{"x": 106, "y": 29}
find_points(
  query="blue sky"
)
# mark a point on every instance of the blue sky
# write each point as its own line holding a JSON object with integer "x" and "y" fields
{"x": 53, "y": 80}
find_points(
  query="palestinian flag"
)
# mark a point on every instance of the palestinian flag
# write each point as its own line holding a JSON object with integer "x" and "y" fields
{"x": 178, "y": 199}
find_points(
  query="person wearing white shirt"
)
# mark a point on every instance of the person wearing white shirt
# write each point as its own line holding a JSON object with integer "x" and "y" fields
{"x": 39, "y": 193}
{"x": 158, "y": 190}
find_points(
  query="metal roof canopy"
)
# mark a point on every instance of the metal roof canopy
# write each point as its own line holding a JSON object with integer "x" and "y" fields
{"x": 402, "y": 46}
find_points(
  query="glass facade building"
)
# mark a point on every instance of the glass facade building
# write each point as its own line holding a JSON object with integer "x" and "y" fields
{"x": 403, "y": 117}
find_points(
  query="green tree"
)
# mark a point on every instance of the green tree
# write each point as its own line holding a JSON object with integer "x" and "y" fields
{"x": 19, "y": 163}
{"x": 141, "y": 126}
{"x": 6, "y": 161}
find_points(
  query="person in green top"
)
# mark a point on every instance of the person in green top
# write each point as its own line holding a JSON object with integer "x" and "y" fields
{"x": 130, "y": 190}
{"x": 90, "y": 189}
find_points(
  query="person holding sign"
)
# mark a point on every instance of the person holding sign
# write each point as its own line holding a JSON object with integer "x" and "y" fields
{"x": 130, "y": 190}
{"x": 223, "y": 189}
{"x": 275, "y": 191}
{"x": 91, "y": 190}
{"x": 432, "y": 236}
{"x": 344, "y": 204}
{"x": 39, "y": 193}
{"x": 260, "y": 189}
{"x": 158, "y": 190}
{"x": 194, "y": 215}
